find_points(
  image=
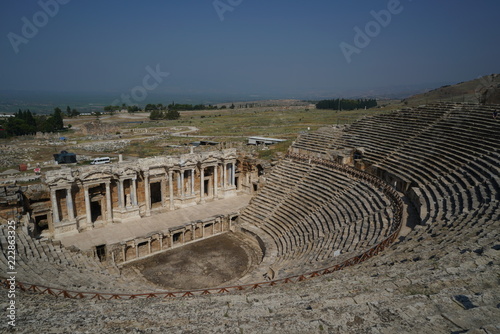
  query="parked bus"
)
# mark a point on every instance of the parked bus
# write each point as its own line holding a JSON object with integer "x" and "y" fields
{"x": 103, "y": 160}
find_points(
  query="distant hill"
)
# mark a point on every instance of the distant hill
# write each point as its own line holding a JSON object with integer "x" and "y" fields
{"x": 485, "y": 90}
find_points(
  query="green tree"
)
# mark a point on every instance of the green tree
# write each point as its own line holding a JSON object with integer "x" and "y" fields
{"x": 155, "y": 115}
{"x": 172, "y": 115}
{"x": 133, "y": 109}
{"x": 150, "y": 107}
{"x": 58, "y": 119}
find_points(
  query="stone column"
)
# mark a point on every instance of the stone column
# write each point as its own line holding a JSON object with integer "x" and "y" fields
{"x": 88, "y": 212}
{"x": 216, "y": 182}
{"x": 69, "y": 204}
{"x": 124, "y": 252}
{"x": 133, "y": 192}
{"x": 192, "y": 182}
{"x": 121, "y": 194}
{"x": 233, "y": 173}
{"x": 163, "y": 191}
{"x": 55, "y": 210}
{"x": 109, "y": 208}
{"x": 178, "y": 184}
{"x": 202, "y": 184}
{"x": 224, "y": 175}
{"x": 182, "y": 183}
{"x": 147, "y": 195}
{"x": 171, "y": 189}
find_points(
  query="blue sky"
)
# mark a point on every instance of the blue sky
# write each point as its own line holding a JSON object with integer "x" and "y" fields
{"x": 287, "y": 48}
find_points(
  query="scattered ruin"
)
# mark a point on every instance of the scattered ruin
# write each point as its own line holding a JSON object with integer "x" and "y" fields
{"x": 97, "y": 127}
{"x": 329, "y": 217}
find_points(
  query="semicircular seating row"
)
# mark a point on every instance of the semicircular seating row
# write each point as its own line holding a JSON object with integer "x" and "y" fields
{"x": 315, "y": 215}
{"x": 448, "y": 153}
{"x": 45, "y": 263}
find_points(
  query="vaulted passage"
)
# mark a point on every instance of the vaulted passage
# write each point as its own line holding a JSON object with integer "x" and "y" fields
{"x": 155, "y": 193}
{"x": 95, "y": 208}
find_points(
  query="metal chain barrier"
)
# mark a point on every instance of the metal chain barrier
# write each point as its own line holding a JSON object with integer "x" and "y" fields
{"x": 390, "y": 192}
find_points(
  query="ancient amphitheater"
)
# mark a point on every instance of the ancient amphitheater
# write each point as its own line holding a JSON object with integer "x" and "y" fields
{"x": 388, "y": 225}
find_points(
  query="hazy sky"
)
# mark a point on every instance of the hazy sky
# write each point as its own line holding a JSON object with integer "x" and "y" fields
{"x": 244, "y": 46}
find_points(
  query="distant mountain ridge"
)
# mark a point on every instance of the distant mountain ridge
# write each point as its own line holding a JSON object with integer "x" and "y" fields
{"x": 484, "y": 90}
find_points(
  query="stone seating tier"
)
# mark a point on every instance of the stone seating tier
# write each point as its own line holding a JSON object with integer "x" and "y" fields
{"x": 449, "y": 152}
{"x": 46, "y": 264}
{"x": 317, "y": 215}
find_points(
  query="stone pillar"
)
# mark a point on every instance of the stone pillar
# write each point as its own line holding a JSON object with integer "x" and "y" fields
{"x": 192, "y": 182}
{"x": 178, "y": 184}
{"x": 109, "y": 208}
{"x": 233, "y": 173}
{"x": 216, "y": 182}
{"x": 69, "y": 204}
{"x": 202, "y": 184}
{"x": 124, "y": 252}
{"x": 171, "y": 189}
{"x": 88, "y": 212}
{"x": 163, "y": 191}
{"x": 182, "y": 183}
{"x": 55, "y": 210}
{"x": 133, "y": 192}
{"x": 121, "y": 194}
{"x": 224, "y": 175}
{"x": 147, "y": 195}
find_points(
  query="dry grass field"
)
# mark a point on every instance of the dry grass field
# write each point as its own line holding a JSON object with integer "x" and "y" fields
{"x": 136, "y": 136}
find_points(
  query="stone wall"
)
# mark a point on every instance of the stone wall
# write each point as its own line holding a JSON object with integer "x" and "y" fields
{"x": 83, "y": 198}
{"x": 144, "y": 246}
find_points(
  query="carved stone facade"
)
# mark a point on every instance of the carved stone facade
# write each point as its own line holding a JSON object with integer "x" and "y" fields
{"x": 153, "y": 243}
{"x": 88, "y": 197}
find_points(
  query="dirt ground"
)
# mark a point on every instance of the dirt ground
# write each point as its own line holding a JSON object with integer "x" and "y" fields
{"x": 207, "y": 263}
